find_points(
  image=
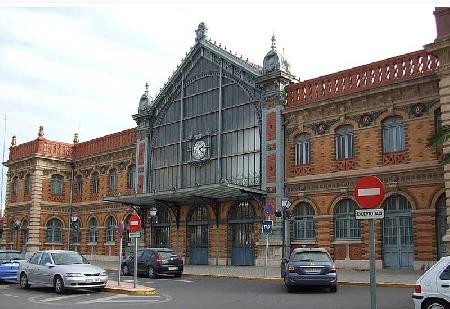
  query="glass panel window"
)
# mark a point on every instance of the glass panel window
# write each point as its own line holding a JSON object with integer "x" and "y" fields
{"x": 112, "y": 180}
{"x": 304, "y": 228}
{"x": 131, "y": 177}
{"x": 346, "y": 226}
{"x": 15, "y": 186}
{"x": 302, "y": 150}
{"x": 54, "y": 231}
{"x": 393, "y": 135}
{"x": 24, "y": 232}
{"x": 27, "y": 184}
{"x": 110, "y": 229}
{"x": 93, "y": 230}
{"x": 79, "y": 185}
{"x": 57, "y": 184}
{"x": 95, "y": 183}
{"x": 344, "y": 142}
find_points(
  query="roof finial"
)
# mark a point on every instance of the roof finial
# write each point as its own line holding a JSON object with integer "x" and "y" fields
{"x": 41, "y": 132}
{"x": 201, "y": 32}
{"x": 146, "y": 89}
{"x": 274, "y": 47}
{"x": 13, "y": 141}
{"x": 76, "y": 140}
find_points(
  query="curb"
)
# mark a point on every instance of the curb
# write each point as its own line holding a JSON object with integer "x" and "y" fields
{"x": 119, "y": 290}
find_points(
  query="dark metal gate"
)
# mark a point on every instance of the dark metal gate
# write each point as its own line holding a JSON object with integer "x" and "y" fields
{"x": 161, "y": 229}
{"x": 241, "y": 221}
{"x": 441, "y": 225}
{"x": 198, "y": 231}
{"x": 398, "y": 240}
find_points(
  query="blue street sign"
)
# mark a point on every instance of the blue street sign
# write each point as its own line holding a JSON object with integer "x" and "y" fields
{"x": 268, "y": 210}
{"x": 267, "y": 227}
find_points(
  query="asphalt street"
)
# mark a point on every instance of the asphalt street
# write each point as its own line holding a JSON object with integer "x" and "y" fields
{"x": 206, "y": 292}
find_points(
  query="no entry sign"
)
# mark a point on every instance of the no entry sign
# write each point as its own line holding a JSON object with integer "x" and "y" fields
{"x": 369, "y": 192}
{"x": 134, "y": 223}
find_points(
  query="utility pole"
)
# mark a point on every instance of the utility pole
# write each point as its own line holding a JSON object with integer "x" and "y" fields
{"x": 3, "y": 160}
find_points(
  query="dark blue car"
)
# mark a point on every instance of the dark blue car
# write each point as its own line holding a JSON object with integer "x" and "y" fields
{"x": 309, "y": 267}
{"x": 9, "y": 264}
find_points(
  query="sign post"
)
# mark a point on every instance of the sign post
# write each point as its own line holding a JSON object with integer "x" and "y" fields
{"x": 369, "y": 192}
{"x": 267, "y": 229}
{"x": 120, "y": 232}
{"x": 134, "y": 224}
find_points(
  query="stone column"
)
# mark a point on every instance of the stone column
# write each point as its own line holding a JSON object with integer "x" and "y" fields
{"x": 35, "y": 211}
{"x": 441, "y": 48}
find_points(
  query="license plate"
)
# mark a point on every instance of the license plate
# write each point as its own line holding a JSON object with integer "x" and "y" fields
{"x": 173, "y": 268}
{"x": 312, "y": 270}
{"x": 92, "y": 280}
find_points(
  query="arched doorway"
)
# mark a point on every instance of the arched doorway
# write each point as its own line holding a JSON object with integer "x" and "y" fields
{"x": 398, "y": 239}
{"x": 161, "y": 229}
{"x": 197, "y": 232}
{"x": 441, "y": 225}
{"x": 241, "y": 220}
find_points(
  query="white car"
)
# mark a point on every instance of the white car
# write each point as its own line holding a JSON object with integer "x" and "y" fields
{"x": 432, "y": 289}
{"x": 61, "y": 270}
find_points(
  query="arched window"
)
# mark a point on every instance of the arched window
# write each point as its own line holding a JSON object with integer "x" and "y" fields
{"x": 393, "y": 134}
{"x": 110, "y": 229}
{"x": 57, "y": 184}
{"x": 302, "y": 150}
{"x": 242, "y": 211}
{"x": 95, "y": 183}
{"x": 113, "y": 180}
{"x": 54, "y": 231}
{"x": 131, "y": 177}
{"x": 346, "y": 226}
{"x": 24, "y": 232}
{"x": 15, "y": 186}
{"x": 200, "y": 213}
{"x": 79, "y": 185}
{"x": 304, "y": 228}
{"x": 28, "y": 184}
{"x": 344, "y": 142}
{"x": 93, "y": 230}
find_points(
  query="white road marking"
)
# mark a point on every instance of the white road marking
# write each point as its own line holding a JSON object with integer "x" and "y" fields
{"x": 11, "y": 295}
{"x": 184, "y": 280}
{"x": 60, "y": 297}
{"x": 369, "y": 192}
{"x": 115, "y": 299}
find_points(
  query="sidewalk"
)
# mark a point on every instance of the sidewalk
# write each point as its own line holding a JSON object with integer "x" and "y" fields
{"x": 389, "y": 278}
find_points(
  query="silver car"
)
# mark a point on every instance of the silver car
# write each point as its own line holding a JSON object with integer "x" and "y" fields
{"x": 62, "y": 270}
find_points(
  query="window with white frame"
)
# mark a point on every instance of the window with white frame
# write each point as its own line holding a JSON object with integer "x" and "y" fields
{"x": 112, "y": 180}
{"x": 54, "y": 231}
{"x": 302, "y": 150}
{"x": 95, "y": 183}
{"x": 57, "y": 184}
{"x": 304, "y": 228}
{"x": 344, "y": 142}
{"x": 393, "y": 134}
{"x": 346, "y": 226}
{"x": 92, "y": 230}
{"x": 110, "y": 229}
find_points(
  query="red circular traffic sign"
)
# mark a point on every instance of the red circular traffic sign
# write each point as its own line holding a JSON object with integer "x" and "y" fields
{"x": 369, "y": 192}
{"x": 134, "y": 223}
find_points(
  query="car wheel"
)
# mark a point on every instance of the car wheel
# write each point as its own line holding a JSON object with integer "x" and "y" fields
{"x": 178, "y": 275}
{"x": 125, "y": 270}
{"x": 435, "y": 304}
{"x": 59, "y": 285}
{"x": 24, "y": 281}
{"x": 289, "y": 288}
{"x": 151, "y": 273}
{"x": 333, "y": 289}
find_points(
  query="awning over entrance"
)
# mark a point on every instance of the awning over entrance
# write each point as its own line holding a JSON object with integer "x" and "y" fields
{"x": 213, "y": 192}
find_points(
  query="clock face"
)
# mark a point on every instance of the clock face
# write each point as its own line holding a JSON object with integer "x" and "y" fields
{"x": 199, "y": 150}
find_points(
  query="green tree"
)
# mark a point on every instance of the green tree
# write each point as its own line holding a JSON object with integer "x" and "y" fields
{"x": 440, "y": 136}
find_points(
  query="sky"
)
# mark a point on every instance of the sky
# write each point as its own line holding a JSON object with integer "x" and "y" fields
{"x": 81, "y": 66}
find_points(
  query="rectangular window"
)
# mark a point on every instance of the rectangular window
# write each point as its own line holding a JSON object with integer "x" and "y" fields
{"x": 344, "y": 146}
{"x": 302, "y": 153}
{"x": 393, "y": 138}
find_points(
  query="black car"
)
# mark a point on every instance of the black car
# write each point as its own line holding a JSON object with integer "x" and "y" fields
{"x": 153, "y": 262}
{"x": 309, "y": 267}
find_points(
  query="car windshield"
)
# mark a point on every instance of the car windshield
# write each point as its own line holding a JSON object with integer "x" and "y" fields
{"x": 166, "y": 254}
{"x": 11, "y": 256}
{"x": 67, "y": 258}
{"x": 310, "y": 256}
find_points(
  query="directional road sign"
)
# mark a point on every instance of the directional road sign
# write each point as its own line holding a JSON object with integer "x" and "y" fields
{"x": 267, "y": 227}
{"x": 374, "y": 213}
{"x": 134, "y": 234}
{"x": 369, "y": 192}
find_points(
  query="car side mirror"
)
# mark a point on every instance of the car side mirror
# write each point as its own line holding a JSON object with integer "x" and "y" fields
{"x": 49, "y": 264}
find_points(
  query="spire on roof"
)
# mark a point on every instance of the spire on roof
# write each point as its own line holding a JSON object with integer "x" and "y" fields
{"x": 274, "y": 47}
{"x": 13, "y": 141}
{"x": 201, "y": 32}
{"x": 146, "y": 89}
{"x": 41, "y": 132}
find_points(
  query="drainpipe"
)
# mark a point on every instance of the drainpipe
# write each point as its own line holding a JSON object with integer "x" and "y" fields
{"x": 70, "y": 204}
